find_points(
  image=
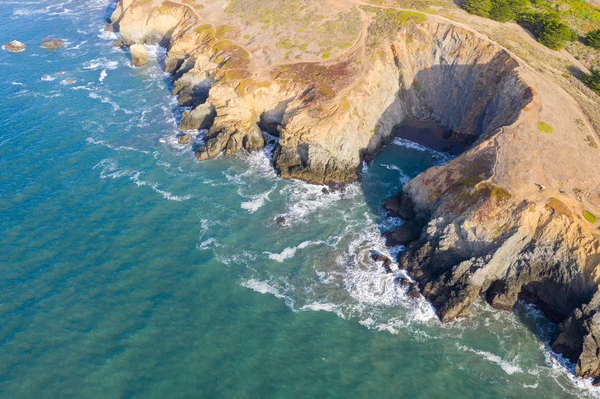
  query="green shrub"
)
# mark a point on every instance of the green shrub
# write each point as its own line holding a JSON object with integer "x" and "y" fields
{"x": 590, "y": 217}
{"x": 593, "y": 80}
{"x": 545, "y": 127}
{"x": 548, "y": 28}
{"x": 478, "y": 7}
{"x": 501, "y": 11}
{"x": 593, "y": 39}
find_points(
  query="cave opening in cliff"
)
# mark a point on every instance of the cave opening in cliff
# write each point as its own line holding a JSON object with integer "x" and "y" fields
{"x": 430, "y": 134}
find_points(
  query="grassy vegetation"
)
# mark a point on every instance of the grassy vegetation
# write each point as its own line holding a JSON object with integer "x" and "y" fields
{"x": 414, "y": 4}
{"x": 387, "y": 23}
{"x": 553, "y": 22}
{"x": 593, "y": 81}
{"x": 287, "y": 19}
{"x": 560, "y": 207}
{"x": 590, "y": 217}
{"x": 545, "y": 127}
{"x": 325, "y": 80}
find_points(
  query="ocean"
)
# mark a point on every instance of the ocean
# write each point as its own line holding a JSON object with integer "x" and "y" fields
{"x": 128, "y": 269}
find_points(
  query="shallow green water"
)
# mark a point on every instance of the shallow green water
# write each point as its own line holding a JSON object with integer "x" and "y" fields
{"x": 129, "y": 270}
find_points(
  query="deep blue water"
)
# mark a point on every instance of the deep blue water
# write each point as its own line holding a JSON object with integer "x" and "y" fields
{"x": 130, "y": 270}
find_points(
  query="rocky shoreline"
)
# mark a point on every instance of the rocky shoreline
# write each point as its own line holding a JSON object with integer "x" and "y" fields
{"x": 510, "y": 218}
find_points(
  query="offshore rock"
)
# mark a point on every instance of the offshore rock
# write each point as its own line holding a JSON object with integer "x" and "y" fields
{"x": 15, "y": 46}
{"x": 53, "y": 44}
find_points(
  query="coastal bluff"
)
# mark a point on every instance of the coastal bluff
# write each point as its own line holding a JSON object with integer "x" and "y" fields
{"x": 512, "y": 218}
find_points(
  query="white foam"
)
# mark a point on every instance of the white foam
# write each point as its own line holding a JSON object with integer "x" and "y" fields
{"x": 264, "y": 287}
{"x": 291, "y": 252}
{"x": 207, "y": 244}
{"x": 256, "y": 202}
{"x": 92, "y": 140}
{"x": 509, "y": 368}
{"x": 324, "y": 307}
{"x": 100, "y": 63}
{"x": 110, "y": 169}
{"x": 107, "y": 35}
{"x": 47, "y": 78}
{"x": 403, "y": 177}
{"x": 441, "y": 157}
{"x": 103, "y": 75}
{"x": 107, "y": 100}
{"x": 306, "y": 199}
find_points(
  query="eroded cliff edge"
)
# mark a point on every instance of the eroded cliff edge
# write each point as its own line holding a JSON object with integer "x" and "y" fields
{"x": 509, "y": 219}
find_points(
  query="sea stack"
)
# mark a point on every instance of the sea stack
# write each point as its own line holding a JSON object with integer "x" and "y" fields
{"x": 15, "y": 46}
{"x": 139, "y": 55}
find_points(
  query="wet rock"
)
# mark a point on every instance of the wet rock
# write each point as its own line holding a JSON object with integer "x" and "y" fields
{"x": 413, "y": 291}
{"x": 325, "y": 191}
{"x": 52, "y": 44}
{"x": 120, "y": 42}
{"x": 15, "y": 46}
{"x": 400, "y": 206}
{"x": 201, "y": 117}
{"x": 184, "y": 139}
{"x": 281, "y": 220}
{"x": 379, "y": 257}
{"x": 403, "y": 235}
{"x": 139, "y": 55}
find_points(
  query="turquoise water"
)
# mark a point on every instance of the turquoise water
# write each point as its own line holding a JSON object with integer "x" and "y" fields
{"x": 130, "y": 270}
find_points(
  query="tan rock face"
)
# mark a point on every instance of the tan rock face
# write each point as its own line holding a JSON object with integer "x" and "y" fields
{"x": 15, "y": 46}
{"x": 507, "y": 219}
{"x": 139, "y": 55}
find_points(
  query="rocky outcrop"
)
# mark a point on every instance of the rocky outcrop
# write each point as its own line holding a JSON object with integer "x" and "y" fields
{"x": 510, "y": 218}
{"x": 15, "y": 46}
{"x": 139, "y": 55}
{"x": 52, "y": 44}
{"x": 199, "y": 118}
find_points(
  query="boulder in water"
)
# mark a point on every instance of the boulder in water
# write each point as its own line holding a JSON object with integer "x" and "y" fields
{"x": 52, "y": 44}
{"x": 15, "y": 46}
{"x": 379, "y": 257}
{"x": 139, "y": 55}
{"x": 184, "y": 139}
{"x": 413, "y": 291}
{"x": 281, "y": 220}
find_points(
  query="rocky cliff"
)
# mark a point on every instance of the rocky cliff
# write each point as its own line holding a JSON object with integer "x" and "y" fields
{"x": 511, "y": 218}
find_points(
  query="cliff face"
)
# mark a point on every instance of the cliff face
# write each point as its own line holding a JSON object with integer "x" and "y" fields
{"x": 509, "y": 219}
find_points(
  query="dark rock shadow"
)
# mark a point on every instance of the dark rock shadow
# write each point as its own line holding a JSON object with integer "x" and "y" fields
{"x": 467, "y": 102}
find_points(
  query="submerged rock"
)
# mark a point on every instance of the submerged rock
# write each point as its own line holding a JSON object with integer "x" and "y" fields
{"x": 139, "y": 55}
{"x": 15, "y": 46}
{"x": 54, "y": 44}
